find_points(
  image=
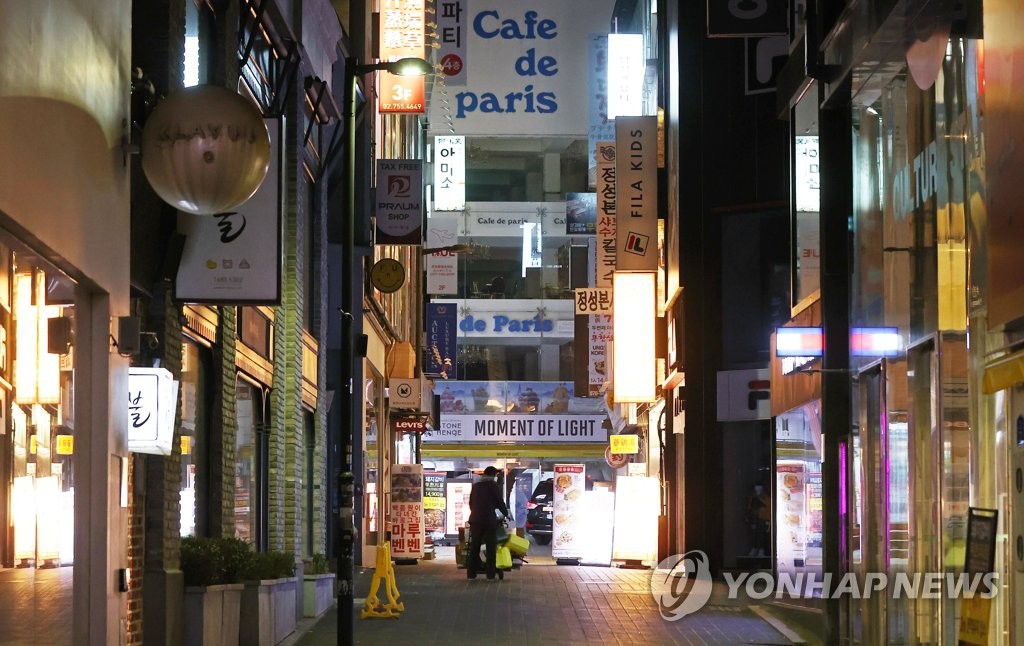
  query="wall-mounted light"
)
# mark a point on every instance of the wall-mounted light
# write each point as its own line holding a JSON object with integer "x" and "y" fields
{"x": 633, "y": 364}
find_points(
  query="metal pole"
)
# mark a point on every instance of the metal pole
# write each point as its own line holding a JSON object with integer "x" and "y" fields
{"x": 346, "y": 479}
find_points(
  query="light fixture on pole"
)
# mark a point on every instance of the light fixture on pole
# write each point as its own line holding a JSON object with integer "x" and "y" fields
{"x": 346, "y": 477}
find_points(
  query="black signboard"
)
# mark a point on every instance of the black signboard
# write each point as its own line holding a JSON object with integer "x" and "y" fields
{"x": 981, "y": 540}
{"x": 746, "y": 17}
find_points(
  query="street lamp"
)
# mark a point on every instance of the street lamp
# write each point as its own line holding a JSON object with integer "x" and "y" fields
{"x": 346, "y": 478}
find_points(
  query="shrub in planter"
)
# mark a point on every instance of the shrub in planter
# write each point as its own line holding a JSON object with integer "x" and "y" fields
{"x": 318, "y": 586}
{"x": 270, "y": 565}
{"x": 318, "y": 564}
{"x": 213, "y": 569}
{"x": 269, "y": 600}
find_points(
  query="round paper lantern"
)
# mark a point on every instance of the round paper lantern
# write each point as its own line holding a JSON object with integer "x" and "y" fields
{"x": 205, "y": 149}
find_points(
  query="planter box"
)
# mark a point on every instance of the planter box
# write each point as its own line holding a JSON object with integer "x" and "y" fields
{"x": 268, "y": 611}
{"x": 318, "y": 594}
{"x": 212, "y": 614}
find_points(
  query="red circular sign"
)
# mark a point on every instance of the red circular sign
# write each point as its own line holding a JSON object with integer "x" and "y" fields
{"x": 451, "y": 64}
{"x": 615, "y": 460}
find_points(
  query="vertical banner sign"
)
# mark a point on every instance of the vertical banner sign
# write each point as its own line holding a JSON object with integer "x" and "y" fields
{"x": 636, "y": 193}
{"x": 451, "y": 35}
{"x": 442, "y": 334}
{"x": 600, "y": 128}
{"x": 402, "y": 35}
{"x": 567, "y": 519}
{"x": 434, "y": 502}
{"x": 399, "y": 201}
{"x": 442, "y": 266}
{"x": 235, "y": 257}
{"x": 407, "y": 511}
{"x": 606, "y": 237}
{"x": 449, "y": 173}
{"x": 976, "y": 610}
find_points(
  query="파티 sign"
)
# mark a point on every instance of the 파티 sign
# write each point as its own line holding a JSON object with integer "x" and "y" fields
{"x": 407, "y": 511}
{"x": 567, "y": 519}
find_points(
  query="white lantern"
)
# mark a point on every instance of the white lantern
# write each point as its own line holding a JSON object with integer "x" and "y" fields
{"x": 205, "y": 149}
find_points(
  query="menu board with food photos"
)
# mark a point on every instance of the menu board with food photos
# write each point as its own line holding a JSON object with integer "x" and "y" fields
{"x": 407, "y": 511}
{"x": 567, "y": 518}
{"x": 434, "y": 502}
{"x": 790, "y": 512}
{"x": 457, "y": 506}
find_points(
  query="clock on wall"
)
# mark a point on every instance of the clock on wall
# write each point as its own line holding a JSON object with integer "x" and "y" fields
{"x": 387, "y": 275}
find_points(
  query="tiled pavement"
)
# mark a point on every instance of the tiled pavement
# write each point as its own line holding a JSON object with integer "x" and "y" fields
{"x": 542, "y": 604}
{"x": 35, "y": 606}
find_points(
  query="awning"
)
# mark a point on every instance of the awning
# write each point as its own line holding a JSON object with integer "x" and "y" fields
{"x": 1003, "y": 373}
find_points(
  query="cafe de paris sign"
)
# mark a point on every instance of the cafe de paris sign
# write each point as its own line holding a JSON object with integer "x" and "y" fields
{"x": 205, "y": 149}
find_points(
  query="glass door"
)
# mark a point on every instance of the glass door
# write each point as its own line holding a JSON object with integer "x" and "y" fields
{"x": 874, "y": 527}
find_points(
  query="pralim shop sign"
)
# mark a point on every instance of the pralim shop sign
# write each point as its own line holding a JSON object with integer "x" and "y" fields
{"x": 519, "y": 428}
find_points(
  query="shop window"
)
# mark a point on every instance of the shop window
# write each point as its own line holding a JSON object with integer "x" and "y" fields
{"x": 194, "y": 438}
{"x": 37, "y": 445}
{"x": 251, "y": 464}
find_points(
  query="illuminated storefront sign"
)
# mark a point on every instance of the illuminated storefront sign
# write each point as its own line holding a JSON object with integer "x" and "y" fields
{"x": 152, "y": 403}
{"x": 636, "y": 193}
{"x": 624, "y": 444}
{"x": 529, "y": 70}
{"x": 636, "y": 519}
{"x": 449, "y": 173}
{"x": 407, "y": 531}
{"x": 518, "y": 428}
{"x": 633, "y": 360}
{"x": 402, "y": 35}
{"x": 514, "y": 318}
{"x": 804, "y": 343}
{"x": 626, "y": 67}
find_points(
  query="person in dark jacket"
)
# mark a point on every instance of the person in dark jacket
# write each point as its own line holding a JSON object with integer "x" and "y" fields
{"x": 484, "y": 499}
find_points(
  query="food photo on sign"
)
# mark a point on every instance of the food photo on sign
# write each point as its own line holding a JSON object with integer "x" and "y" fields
{"x": 569, "y": 486}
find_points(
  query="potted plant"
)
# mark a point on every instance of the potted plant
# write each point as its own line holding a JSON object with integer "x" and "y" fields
{"x": 268, "y": 601}
{"x": 213, "y": 570}
{"x": 318, "y": 586}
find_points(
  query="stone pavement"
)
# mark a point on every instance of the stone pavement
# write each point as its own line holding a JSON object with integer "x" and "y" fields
{"x": 35, "y": 606}
{"x": 544, "y": 604}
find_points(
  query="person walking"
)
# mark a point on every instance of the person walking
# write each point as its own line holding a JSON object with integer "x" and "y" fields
{"x": 484, "y": 500}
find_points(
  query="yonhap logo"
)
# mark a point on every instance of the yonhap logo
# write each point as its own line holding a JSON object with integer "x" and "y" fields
{"x": 681, "y": 584}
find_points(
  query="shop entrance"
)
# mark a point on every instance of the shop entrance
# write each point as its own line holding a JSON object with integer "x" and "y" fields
{"x": 37, "y": 441}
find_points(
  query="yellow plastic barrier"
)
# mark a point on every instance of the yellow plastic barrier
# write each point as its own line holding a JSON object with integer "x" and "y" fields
{"x": 384, "y": 572}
